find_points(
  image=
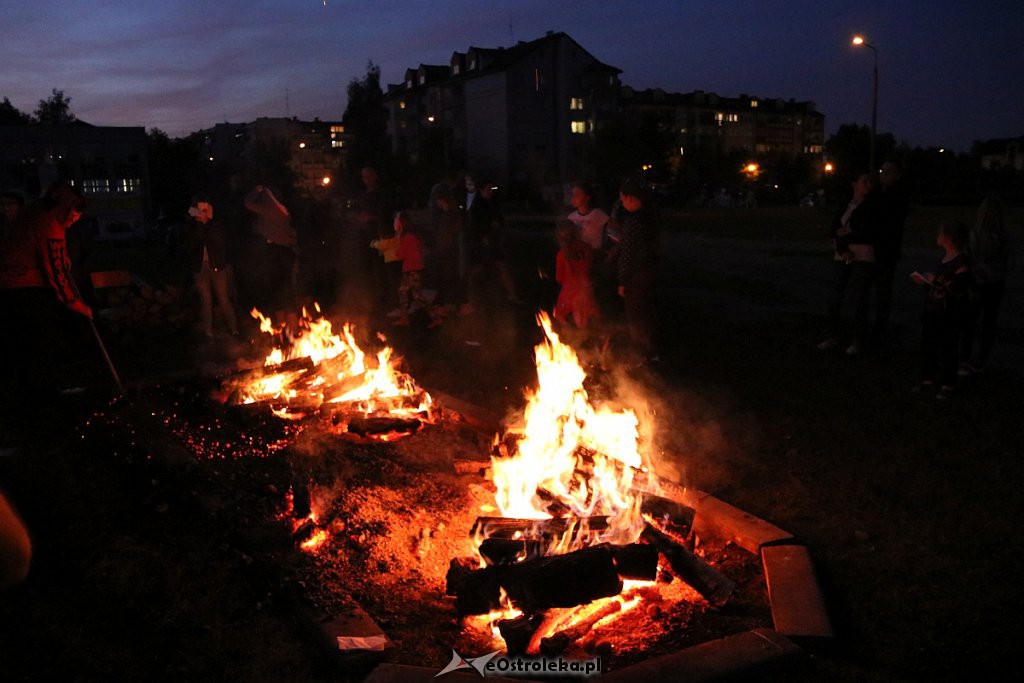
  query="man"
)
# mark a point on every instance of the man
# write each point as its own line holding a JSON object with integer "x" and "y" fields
{"x": 35, "y": 282}
{"x": 638, "y": 265}
{"x": 892, "y": 202}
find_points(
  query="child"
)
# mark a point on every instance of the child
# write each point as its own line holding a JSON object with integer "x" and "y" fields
{"x": 572, "y": 272}
{"x": 945, "y": 307}
{"x": 410, "y": 253}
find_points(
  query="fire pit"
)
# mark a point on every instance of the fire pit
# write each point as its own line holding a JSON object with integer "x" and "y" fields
{"x": 393, "y": 542}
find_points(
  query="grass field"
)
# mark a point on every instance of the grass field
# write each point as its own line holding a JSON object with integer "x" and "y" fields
{"x": 911, "y": 507}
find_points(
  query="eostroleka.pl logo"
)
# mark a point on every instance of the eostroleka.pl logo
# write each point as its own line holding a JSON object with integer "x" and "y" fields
{"x": 460, "y": 662}
{"x": 491, "y": 664}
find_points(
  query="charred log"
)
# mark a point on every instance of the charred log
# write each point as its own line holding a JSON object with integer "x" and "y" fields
{"x": 568, "y": 580}
{"x": 518, "y": 632}
{"x": 374, "y": 426}
{"x": 705, "y": 579}
{"x": 509, "y": 527}
{"x": 668, "y": 513}
{"x": 509, "y": 551}
{"x": 638, "y": 561}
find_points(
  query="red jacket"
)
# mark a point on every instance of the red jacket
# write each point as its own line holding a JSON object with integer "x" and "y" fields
{"x": 34, "y": 254}
{"x": 410, "y": 252}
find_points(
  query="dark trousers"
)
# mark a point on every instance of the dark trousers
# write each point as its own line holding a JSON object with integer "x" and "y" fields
{"x": 639, "y": 291}
{"x": 985, "y": 308}
{"x": 940, "y": 337}
{"x": 852, "y": 280}
{"x": 31, "y": 324}
{"x": 885, "y": 274}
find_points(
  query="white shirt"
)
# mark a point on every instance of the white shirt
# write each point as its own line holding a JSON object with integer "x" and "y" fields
{"x": 591, "y": 226}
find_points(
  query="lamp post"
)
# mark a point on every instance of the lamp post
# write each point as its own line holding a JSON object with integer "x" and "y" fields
{"x": 858, "y": 41}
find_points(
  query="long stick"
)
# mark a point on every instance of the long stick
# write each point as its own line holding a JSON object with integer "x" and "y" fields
{"x": 106, "y": 356}
{"x": 99, "y": 341}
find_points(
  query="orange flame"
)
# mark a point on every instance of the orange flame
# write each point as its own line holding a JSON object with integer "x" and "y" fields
{"x": 581, "y": 455}
{"x": 342, "y": 373}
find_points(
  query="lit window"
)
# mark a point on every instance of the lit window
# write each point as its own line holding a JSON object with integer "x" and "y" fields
{"x": 733, "y": 118}
{"x": 408, "y": 83}
{"x": 753, "y": 104}
{"x": 578, "y": 127}
{"x": 682, "y": 150}
{"x": 455, "y": 69}
{"x": 96, "y": 186}
{"x": 401, "y": 104}
{"x": 576, "y": 103}
{"x": 472, "y": 64}
{"x": 423, "y": 79}
{"x": 128, "y": 185}
{"x": 337, "y": 129}
{"x": 337, "y": 143}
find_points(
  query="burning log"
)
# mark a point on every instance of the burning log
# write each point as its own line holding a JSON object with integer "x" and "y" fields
{"x": 637, "y": 561}
{"x": 508, "y": 551}
{"x": 339, "y": 389}
{"x": 568, "y": 580}
{"x": 518, "y": 632}
{"x": 301, "y": 364}
{"x": 374, "y": 426}
{"x": 509, "y": 527}
{"x": 476, "y": 591}
{"x": 556, "y": 644}
{"x": 705, "y": 579}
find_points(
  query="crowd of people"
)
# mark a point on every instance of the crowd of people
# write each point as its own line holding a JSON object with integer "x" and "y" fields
{"x": 247, "y": 248}
{"x": 963, "y": 294}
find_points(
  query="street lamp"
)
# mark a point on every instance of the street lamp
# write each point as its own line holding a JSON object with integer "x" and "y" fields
{"x": 858, "y": 41}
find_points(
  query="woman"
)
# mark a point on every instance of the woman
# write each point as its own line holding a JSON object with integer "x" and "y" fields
{"x": 853, "y": 237}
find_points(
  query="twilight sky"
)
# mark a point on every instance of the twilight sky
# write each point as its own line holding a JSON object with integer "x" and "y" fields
{"x": 951, "y": 71}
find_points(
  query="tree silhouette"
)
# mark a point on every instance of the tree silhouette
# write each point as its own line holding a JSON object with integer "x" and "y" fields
{"x": 12, "y": 116}
{"x": 55, "y": 110}
{"x": 366, "y": 119}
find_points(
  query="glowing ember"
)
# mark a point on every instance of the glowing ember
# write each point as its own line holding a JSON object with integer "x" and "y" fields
{"x": 341, "y": 374}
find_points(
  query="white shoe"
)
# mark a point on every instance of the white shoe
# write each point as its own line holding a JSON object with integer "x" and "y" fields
{"x": 829, "y": 343}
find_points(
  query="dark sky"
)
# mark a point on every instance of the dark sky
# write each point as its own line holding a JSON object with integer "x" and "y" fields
{"x": 950, "y": 72}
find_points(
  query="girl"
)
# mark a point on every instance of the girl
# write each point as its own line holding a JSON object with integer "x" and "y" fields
{"x": 572, "y": 272}
{"x": 945, "y": 307}
{"x": 410, "y": 253}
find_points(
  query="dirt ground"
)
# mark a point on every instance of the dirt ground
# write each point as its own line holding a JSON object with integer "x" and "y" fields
{"x": 910, "y": 506}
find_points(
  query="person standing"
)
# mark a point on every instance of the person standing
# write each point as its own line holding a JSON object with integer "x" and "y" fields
{"x": 945, "y": 309}
{"x": 991, "y": 258}
{"x": 572, "y": 272}
{"x": 853, "y": 239}
{"x": 276, "y": 242}
{"x": 206, "y": 245}
{"x": 892, "y": 204}
{"x": 638, "y": 265}
{"x": 373, "y": 216}
{"x": 36, "y": 282}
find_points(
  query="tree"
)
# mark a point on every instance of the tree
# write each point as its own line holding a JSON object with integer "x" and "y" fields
{"x": 55, "y": 110}
{"x": 12, "y": 116}
{"x": 366, "y": 119}
{"x": 850, "y": 149}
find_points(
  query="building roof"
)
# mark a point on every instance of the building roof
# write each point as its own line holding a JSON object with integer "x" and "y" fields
{"x": 497, "y": 59}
